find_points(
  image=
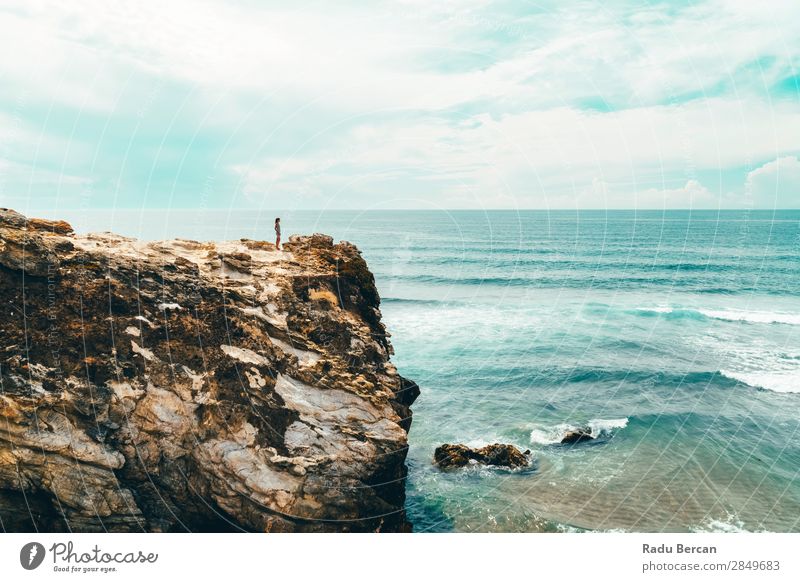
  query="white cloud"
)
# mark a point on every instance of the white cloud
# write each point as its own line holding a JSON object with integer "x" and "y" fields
{"x": 776, "y": 184}
{"x": 535, "y": 158}
{"x": 692, "y": 195}
{"x": 377, "y": 57}
{"x": 493, "y": 101}
{"x": 708, "y": 42}
{"x": 601, "y": 195}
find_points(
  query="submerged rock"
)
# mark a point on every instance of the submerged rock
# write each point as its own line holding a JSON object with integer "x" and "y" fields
{"x": 182, "y": 385}
{"x": 501, "y": 455}
{"x": 577, "y": 435}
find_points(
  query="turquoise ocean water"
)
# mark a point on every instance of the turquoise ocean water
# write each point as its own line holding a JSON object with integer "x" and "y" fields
{"x": 674, "y": 335}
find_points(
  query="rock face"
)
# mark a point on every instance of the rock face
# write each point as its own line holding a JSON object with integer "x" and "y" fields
{"x": 451, "y": 456}
{"x": 179, "y": 385}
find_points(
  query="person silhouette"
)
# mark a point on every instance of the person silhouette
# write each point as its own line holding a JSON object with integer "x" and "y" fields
{"x": 278, "y": 233}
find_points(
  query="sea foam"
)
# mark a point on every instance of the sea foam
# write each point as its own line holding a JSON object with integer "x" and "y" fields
{"x": 787, "y": 381}
{"x": 731, "y": 524}
{"x": 599, "y": 428}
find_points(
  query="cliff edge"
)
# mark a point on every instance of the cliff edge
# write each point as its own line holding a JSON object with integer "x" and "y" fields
{"x": 194, "y": 386}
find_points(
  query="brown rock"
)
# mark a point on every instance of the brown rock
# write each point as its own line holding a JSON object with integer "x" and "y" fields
{"x": 238, "y": 261}
{"x": 502, "y": 455}
{"x": 52, "y": 226}
{"x": 29, "y": 251}
{"x": 12, "y": 218}
{"x": 153, "y": 386}
{"x": 577, "y": 435}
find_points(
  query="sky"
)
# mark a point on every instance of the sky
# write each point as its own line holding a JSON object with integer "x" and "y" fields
{"x": 408, "y": 104}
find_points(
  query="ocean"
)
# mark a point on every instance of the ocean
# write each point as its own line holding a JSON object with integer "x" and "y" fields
{"x": 674, "y": 335}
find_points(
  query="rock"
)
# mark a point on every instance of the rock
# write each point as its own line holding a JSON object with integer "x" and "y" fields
{"x": 180, "y": 385}
{"x": 315, "y": 240}
{"x": 53, "y": 226}
{"x": 28, "y": 251}
{"x": 577, "y": 435}
{"x": 408, "y": 393}
{"x": 12, "y": 218}
{"x": 502, "y": 455}
{"x": 237, "y": 261}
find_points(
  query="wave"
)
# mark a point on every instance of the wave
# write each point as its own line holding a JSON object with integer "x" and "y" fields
{"x": 731, "y": 524}
{"x": 598, "y": 278}
{"x": 412, "y": 301}
{"x": 649, "y": 377}
{"x": 599, "y": 428}
{"x": 724, "y": 314}
{"x": 754, "y": 316}
{"x": 670, "y": 312}
{"x": 502, "y": 374}
{"x": 535, "y": 280}
{"x": 579, "y": 262}
{"x": 784, "y": 381}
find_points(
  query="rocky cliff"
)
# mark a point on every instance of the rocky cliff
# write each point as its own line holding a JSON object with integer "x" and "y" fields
{"x": 192, "y": 386}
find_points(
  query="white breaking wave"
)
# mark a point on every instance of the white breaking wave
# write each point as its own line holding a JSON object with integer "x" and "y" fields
{"x": 603, "y": 427}
{"x": 730, "y": 525}
{"x": 656, "y": 309}
{"x": 549, "y": 436}
{"x": 598, "y": 426}
{"x": 786, "y": 381}
{"x": 753, "y": 316}
{"x": 732, "y": 314}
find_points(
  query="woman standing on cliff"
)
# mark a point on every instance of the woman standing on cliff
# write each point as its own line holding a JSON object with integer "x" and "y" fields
{"x": 278, "y": 234}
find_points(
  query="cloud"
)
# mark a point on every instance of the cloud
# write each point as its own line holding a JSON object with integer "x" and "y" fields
{"x": 776, "y": 184}
{"x": 692, "y": 195}
{"x": 480, "y": 103}
{"x": 539, "y": 158}
{"x": 600, "y": 194}
{"x": 388, "y": 57}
